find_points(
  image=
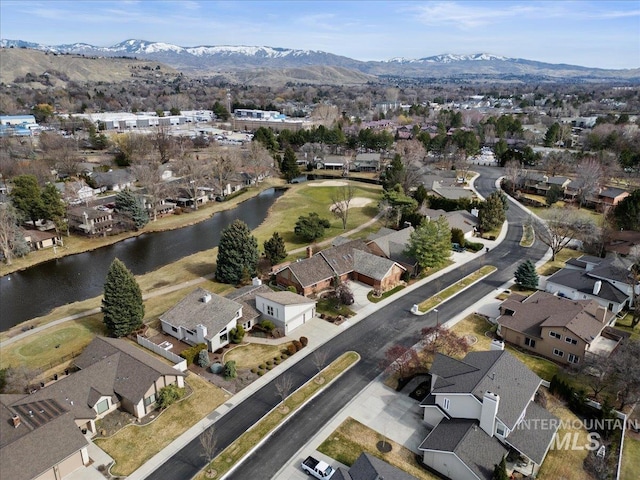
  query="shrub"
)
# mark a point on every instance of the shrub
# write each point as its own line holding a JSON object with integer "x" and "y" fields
{"x": 267, "y": 325}
{"x": 269, "y": 363}
{"x": 291, "y": 348}
{"x": 304, "y": 341}
{"x": 260, "y": 373}
{"x": 190, "y": 353}
{"x": 276, "y": 362}
{"x": 269, "y": 367}
{"x": 457, "y": 236}
{"x": 230, "y": 369}
{"x": 284, "y": 356}
{"x": 236, "y": 335}
{"x": 169, "y": 395}
{"x": 203, "y": 358}
{"x": 474, "y": 246}
{"x": 254, "y": 370}
{"x": 292, "y": 289}
{"x": 262, "y": 366}
{"x": 297, "y": 345}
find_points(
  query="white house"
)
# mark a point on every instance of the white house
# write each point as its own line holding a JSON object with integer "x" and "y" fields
{"x": 286, "y": 309}
{"x": 202, "y": 317}
{"x": 479, "y": 408}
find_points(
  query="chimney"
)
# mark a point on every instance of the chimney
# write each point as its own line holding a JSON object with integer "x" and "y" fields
{"x": 597, "y": 286}
{"x": 256, "y": 282}
{"x": 490, "y": 403}
{"x": 601, "y": 314}
{"x": 206, "y": 298}
{"x": 496, "y": 345}
{"x": 16, "y": 420}
{"x": 475, "y": 212}
{"x": 309, "y": 252}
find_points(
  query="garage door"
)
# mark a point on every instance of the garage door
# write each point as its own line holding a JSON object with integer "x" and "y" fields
{"x": 294, "y": 324}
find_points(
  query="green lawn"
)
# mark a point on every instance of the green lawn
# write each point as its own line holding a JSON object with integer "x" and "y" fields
{"x": 448, "y": 292}
{"x": 630, "y": 458}
{"x": 552, "y": 266}
{"x": 624, "y": 324}
{"x": 253, "y": 354}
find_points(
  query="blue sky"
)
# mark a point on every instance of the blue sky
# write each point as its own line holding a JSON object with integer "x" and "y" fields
{"x": 602, "y": 34}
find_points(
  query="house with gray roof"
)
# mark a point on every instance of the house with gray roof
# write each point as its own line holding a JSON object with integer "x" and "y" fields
{"x": 460, "y": 219}
{"x": 392, "y": 244}
{"x": 113, "y": 180}
{"x": 558, "y": 328}
{"x": 368, "y": 467}
{"x": 286, "y": 309}
{"x": 42, "y": 432}
{"x": 203, "y": 317}
{"x": 476, "y": 409}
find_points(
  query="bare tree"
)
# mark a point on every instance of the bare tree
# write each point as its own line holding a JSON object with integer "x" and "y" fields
{"x": 9, "y": 230}
{"x": 223, "y": 165}
{"x": 163, "y": 142}
{"x": 403, "y": 360}
{"x": 341, "y": 198}
{"x": 257, "y": 161}
{"x": 512, "y": 172}
{"x": 560, "y": 226}
{"x": 132, "y": 147}
{"x": 19, "y": 379}
{"x": 319, "y": 359}
{"x": 325, "y": 114}
{"x": 194, "y": 172}
{"x": 284, "y": 385}
{"x": 60, "y": 152}
{"x": 209, "y": 442}
{"x": 148, "y": 172}
{"x": 588, "y": 179}
{"x": 440, "y": 339}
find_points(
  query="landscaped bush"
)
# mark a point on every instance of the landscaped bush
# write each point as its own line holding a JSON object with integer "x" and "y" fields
{"x": 284, "y": 356}
{"x": 262, "y": 366}
{"x": 230, "y": 369}
{"x": 457, "y": 236}
{"x": 474, "y": 246}
{"x": 291, "y": 348}
{"x": 260, "y": 373}
{"x": 298, "y": 345}
{"x": 267, "y": 325}
{"x": 169, "y": 395}
{"x": 292, "y": 289}
{"x": 236, "y": 335}
{"x": 269, "y": 363}
{"x": 203, "y": 358}
{"x": 276, "y": 362}
{"x": 190, "y": 353}
{"x": 254, "y": 370}
{"x": 304, "y": 341}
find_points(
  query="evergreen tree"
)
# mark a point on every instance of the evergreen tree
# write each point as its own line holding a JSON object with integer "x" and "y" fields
{"x": 526, "y": 275}
{"x": 311, "y": 227}
{"x": 132, "y": 208}
{"x": 430, "y": 243}
{"x": 122, "y": 306}
{"x": 27, "y": 198}
{"x": 289, "y": 167}
{"x": 553, "y": 195}
{"x": 53, "y": 207}
{"x": 500, "y": 471}
{"x": 237, "y": 253}
{"x": 274, "y": 249}
{"x": 493, "y": 211}
{"x": 627, "y": 212}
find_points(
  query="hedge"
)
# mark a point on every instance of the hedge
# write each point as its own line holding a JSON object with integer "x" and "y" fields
{"x": 191, "y": 353}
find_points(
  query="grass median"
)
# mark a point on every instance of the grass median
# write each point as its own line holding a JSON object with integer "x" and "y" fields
{"x": 231, "y": 455}
{"x": 449, "y": 292}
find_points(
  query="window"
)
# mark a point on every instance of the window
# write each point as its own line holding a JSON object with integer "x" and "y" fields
{"x": 151, "y": 399}
{"x": 269, "y": 310}
{"x": 446, "y": 403}
{"x": 554, "y": 334}
{"x": 224, "y": 337}
{"x": 102, "y": 406}
{"x": 570, "y": 340}
{"x": 529, "y": 342}
{"x": 500, "y": 429}
{"x": 174, "y": 329}
{"x": 573, "y": 358}
{"x": 558, "y": 353}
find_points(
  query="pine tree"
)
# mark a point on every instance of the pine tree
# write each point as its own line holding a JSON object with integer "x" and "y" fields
{"x": 132, "y": 208}
{"x": 493, "y": 211}
{"x": 526, "y": 275}
{"x": 500, "y": 471}
{"x": 430, "y": 243}
{"x": 289, "y": 167}
{"x": 237, "y": 253}
{"x": 122, "y": 306}
{"x": 274, "y": 249}
{"x": 27, "y": 198}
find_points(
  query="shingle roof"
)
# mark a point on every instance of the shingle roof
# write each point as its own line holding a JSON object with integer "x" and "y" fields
{"x": 584, "y": 283}
{"x": 611, "y": 192}
{"x": 371, "y": 265}
{"x": 543, "y": 309}
{"x": 533, "y": 436}
{"x": 368, "y": 467}
{"x": 192, "y": 311}
{"x": 340, "y": 258}
{"x": 311, "y": 270}
{"x": 493, "y": 371}
{"x": 612, "y": 268}
{"x": 471, "y": 444}
{"x": 285, "y": 298}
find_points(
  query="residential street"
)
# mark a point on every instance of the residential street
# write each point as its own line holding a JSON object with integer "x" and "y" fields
{"x": 370, "y": 338}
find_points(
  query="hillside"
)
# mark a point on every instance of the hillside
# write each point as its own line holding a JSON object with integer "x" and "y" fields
{"x": 38, "y": 68}
{"x": 312, "y": 75}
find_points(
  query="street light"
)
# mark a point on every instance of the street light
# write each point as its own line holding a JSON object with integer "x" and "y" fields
{"x": 437, "y": 317}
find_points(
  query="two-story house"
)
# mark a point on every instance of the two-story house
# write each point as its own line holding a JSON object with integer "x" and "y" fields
{"x": 478, "y": 409}
{"x": 90, "y": 221}
{"x": 286, "y": 309}
{"x": 557, "y": 328}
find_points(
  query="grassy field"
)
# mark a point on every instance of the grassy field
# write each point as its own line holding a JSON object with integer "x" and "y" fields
{"x": 630, "y": 458}
{"x": 351, "y": 438}
{"x": 148, "y": 440}
{"x": 566, "y": 463}
{"x": 238, "y": 449}
{"x": 624, "y": 324}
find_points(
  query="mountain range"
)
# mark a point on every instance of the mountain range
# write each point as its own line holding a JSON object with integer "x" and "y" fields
{"x": 210, "y": 60}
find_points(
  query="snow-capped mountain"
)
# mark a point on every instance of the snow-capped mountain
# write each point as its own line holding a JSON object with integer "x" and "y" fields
{"x": 205, "y": 59}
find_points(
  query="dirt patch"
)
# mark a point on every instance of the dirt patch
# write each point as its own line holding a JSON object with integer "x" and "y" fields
{"x": 329, "y": 183}
{"x": 356, "y": 202}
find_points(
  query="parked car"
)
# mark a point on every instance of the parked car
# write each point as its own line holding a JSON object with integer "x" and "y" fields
{"x": 317, "y": 468}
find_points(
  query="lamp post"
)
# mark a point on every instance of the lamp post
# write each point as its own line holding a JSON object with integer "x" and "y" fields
{"x": 437, "y": 317}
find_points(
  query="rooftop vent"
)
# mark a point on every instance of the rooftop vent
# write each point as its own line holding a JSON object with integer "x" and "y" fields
{"x": 206, "y": 298}
{"x": 16, "y": 420}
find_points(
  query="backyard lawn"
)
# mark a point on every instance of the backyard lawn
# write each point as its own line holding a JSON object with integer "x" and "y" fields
{"x": 351, "y": 438}
{"x": 630, "y": 458}
{"x": 149, "y": 439}
{"x": 552, "y": 266}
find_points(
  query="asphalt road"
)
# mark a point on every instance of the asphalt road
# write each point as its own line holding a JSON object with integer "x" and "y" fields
{"x": 370, "y": 338}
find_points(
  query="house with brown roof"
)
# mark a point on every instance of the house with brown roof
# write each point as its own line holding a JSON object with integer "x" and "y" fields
{"x": 90, "y": 221}
{"x": 557, "y": 328}
{"x": 319, "y": 272}
{"x": 38, "y": 240}
{"x": 392, "y": 244}
{"x": 478, "y": 409}
{"x": 42, "y": 432}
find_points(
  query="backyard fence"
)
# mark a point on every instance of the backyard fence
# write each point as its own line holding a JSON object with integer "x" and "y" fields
{"x": 180, "y": 363}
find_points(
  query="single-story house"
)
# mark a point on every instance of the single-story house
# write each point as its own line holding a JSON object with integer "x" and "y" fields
{"x": 113, "y": 180}
{"x": 557, "y": 328}
{"x": 460, "y": 219}
{"x": 392, "y": 244}
{"x": 286, "y": 309}
{"x": 379, "y": 272}
{"x": 611, "y": 196}
{"x": 202, "y": 317}
{"x": 38, "y": 240}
